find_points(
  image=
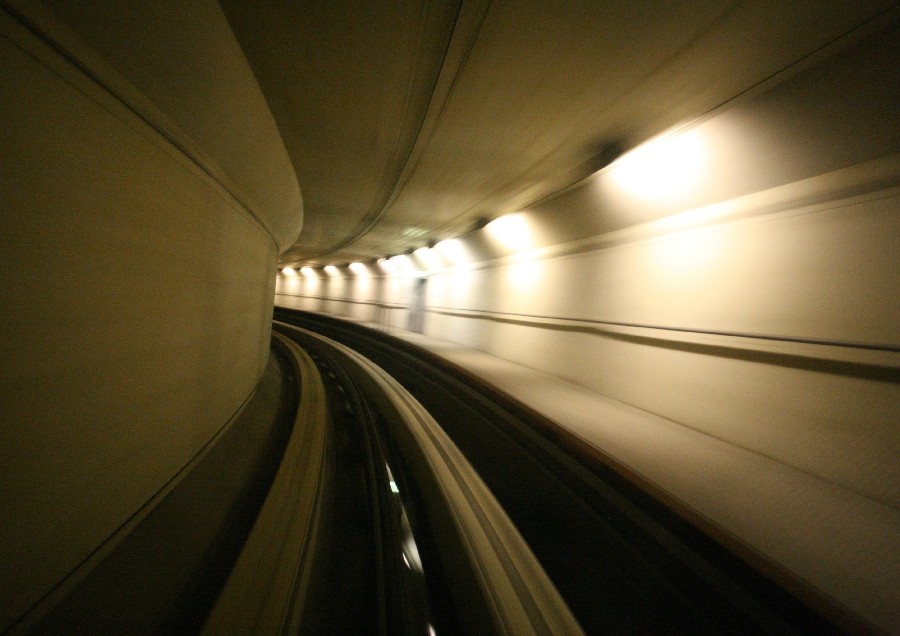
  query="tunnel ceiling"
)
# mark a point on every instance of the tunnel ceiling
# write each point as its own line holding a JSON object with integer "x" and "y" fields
{"x": 406, "y": 122}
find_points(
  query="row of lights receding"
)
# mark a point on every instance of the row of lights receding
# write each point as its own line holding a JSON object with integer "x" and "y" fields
{"x": 660, "y": 168}
{"x": 357, "y": 267}
{"x": 451, "y": 247}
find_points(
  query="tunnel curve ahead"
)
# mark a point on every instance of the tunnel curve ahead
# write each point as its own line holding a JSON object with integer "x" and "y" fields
{"x": 620, "y": 558}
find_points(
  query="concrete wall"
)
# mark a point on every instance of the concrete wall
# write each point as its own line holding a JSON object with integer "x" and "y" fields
{"x": 136, "y": 268}
{"x": 699, "y": 327}
{"x": 738, "y": 276}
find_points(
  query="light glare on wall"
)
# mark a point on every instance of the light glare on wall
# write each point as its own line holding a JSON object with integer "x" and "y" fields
{"x": 684, "y": 254}
{"x": 663, "y": 167}
{"x": 453, "y": 250}
{"x": 427, "y": 256}
{"x": 525, "y": 275}
{"x": 307, "y": 271}
{"x": 401, "y": 263}
{"x": 331, "y": 270}
{"x": 289, "y": 271}
{"x": 698, "y": 216}
{"x": 359, "y": 269}
{"x": 512, "y": 231}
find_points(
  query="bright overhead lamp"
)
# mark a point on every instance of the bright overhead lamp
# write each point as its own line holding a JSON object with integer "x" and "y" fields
{"x": 359, "y": 269}
{"x": 427, "y": 256}
{"x": 401, "y": 262}
{"x": 661, "y": 168}
{"x": 512, "y": 231}
{"x": 452, "y": 250}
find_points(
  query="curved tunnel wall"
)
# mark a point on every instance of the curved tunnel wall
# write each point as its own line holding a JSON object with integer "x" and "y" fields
{"x": 137, "y": 265}
{"x": 752, "y": 297}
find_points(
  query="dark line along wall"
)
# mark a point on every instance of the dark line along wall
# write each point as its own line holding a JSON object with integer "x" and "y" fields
{"x": 758, "y": 306}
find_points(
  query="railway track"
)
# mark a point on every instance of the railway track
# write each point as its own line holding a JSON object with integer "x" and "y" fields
{"x": 408, "y": 497}
{"x": 623, "y": 562}
{"x": 444, "y": 557}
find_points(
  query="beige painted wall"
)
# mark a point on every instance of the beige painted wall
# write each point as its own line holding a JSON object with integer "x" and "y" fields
{"x": 786, "y": 274}
{"x": 764, "y": 329}
{"x": 136, "y": 273}
{"x": 748, "y": 288}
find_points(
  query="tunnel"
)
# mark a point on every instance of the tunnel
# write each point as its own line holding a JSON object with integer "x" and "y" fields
{"x": 475, "y": 316}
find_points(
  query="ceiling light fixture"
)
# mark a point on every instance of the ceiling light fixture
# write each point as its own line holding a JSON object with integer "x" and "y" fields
{"x": 662, "y": 168}
{"x": 512, "y": 231}
{"x": 452, "y": 250}
{"x": 359, "y": 269}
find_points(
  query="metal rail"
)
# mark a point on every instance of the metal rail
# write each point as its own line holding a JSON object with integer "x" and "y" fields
{"x": 622, "y": 559}
{"x": 496, "y": 583}
{"x": 265, "y": 591}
